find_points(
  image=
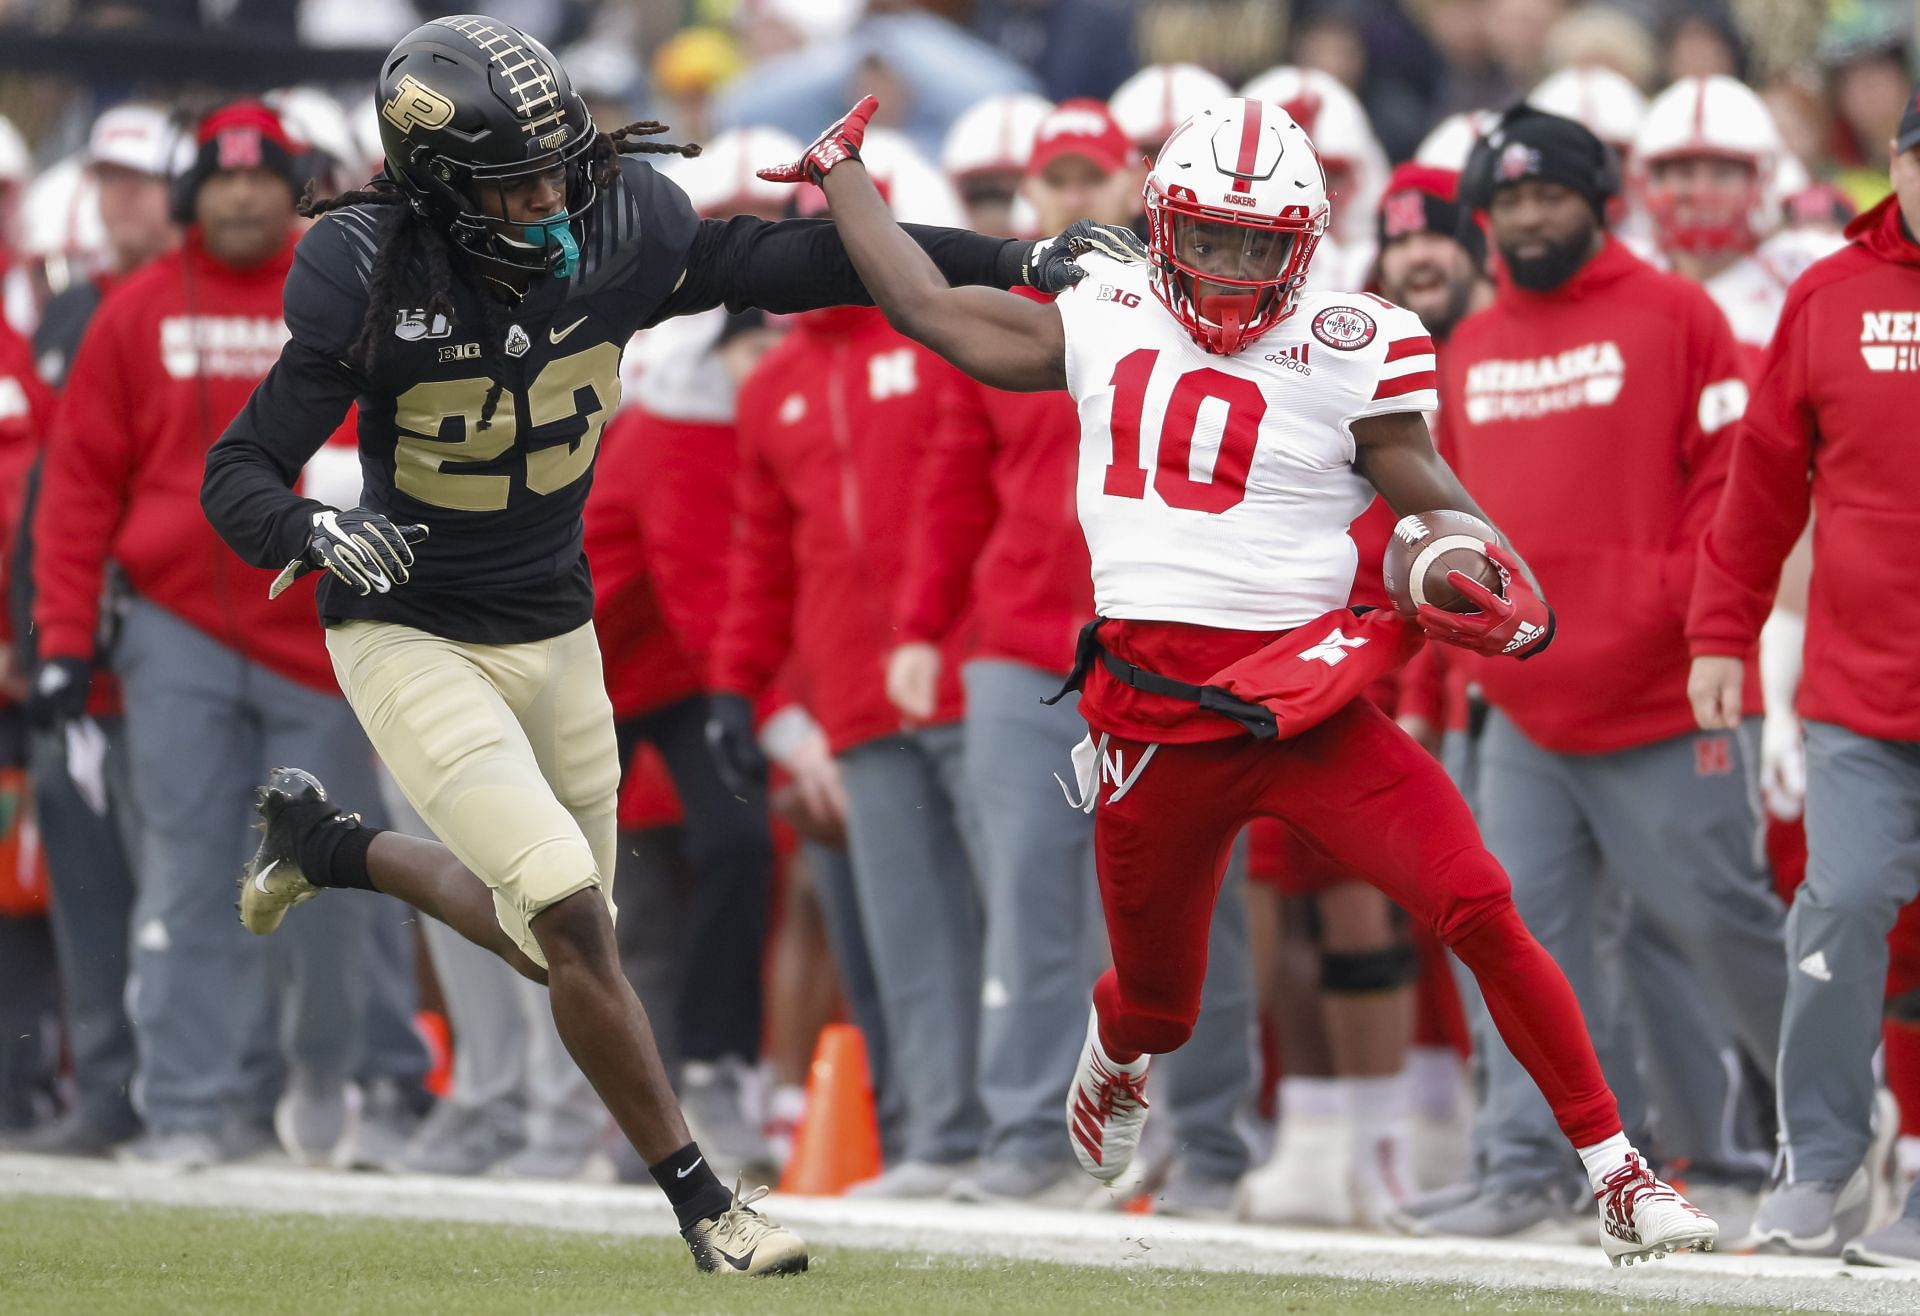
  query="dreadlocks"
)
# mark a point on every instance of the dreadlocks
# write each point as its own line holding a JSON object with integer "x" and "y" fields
{"x": 402, "y": 240}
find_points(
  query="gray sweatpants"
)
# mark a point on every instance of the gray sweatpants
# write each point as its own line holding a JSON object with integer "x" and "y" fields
{"x": 920, "y": 911}
{"x": 92, "y": 886}
{"x": 1045, "y": 942}
{"x": 1863, "y": 864}
{"x": 1677, "y": 825}
{"x": 204, "y": 727}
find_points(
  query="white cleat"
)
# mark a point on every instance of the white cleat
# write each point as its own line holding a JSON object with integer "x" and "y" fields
{"x": 742, "y": 1242}
{"x": 1309, "y": 1180}
{"x": 1106, "y": 1108}
{"x": 1641, "y": 1216}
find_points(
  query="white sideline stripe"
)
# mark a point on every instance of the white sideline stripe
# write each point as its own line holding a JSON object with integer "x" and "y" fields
{"x": 1080, "y": 1237}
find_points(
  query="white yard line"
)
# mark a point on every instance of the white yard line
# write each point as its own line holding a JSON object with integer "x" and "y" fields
{"x": 1086, "y": 1238}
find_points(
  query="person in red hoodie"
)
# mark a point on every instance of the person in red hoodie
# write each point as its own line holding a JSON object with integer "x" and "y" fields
{"x": 84, "y": 834}
{"x": 1590, "y": 410}
{"x": 1834, "y": 399}
{"x": 822, "y": 512}
{"x": 219, "y": 684}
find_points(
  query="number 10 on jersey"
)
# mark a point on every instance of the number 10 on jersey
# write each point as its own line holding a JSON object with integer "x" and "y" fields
{"x": 1245, "y": 404}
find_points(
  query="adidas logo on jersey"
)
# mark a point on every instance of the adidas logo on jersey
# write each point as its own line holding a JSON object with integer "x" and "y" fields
{"x": 1815, "y": 967}
{"x": 1890, "y": 340}
{"x": 1293, "y": 358}
{"x": 1586, "y": 376}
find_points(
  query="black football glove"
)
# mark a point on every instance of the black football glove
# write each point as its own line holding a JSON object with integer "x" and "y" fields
{"x": 735, "y": 749}
{"x": 364, "y": 550}
{"x": 1051, "y": 266}
{"x": 59, "y": 693}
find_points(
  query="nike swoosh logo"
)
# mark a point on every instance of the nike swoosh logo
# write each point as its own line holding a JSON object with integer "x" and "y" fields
{"x": 557, "y": 336}
{"x": 681, "y": 1174}
{"x": 260, "y": 878}
{"x": 738, "y": 1263}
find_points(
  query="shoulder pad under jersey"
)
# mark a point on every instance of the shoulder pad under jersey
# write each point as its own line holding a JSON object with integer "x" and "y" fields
{"x": 636, "y": 237}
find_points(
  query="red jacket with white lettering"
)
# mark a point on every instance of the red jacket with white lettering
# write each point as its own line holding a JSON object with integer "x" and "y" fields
{"x": 1594, "y": 424}
{"x": 656, "y": 526}
{"x": 994, "y": 511}
{"x": 833, "y": 427}
{"x": 170, "y": 357}
{"x": 1836, "y": 398}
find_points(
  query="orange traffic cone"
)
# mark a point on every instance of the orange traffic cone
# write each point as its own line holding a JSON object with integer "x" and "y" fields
{"x": 838, "y": 1142}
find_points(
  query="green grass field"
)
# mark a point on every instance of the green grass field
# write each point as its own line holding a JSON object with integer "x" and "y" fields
{"x": 60, "y": 1255}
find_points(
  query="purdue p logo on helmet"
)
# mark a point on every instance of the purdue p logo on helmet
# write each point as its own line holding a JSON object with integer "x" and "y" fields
{"x": 414, "y": 104}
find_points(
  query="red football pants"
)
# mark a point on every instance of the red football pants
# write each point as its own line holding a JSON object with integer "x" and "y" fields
{"x": 1378, "y": 805}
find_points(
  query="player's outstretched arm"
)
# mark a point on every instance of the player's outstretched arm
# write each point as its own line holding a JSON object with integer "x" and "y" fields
{"x": 1002, "y": 340}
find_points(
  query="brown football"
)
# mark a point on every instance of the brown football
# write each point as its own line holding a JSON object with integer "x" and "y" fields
{"x": 1433, "y": 544}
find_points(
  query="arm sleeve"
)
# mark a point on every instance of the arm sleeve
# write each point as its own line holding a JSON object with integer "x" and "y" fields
{"x": 801, "y": 265}
{"x": 90, "y": 461}
{"x": 954, "y": 512}
{"x": 756, "y": 626}
{"x": 1763, "y": 502}
{"x": 247, "y": 490}
{"x": 1718, "y": 392}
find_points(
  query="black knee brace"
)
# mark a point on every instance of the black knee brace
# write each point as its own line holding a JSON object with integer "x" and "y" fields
{"x": 1356, "y": 973}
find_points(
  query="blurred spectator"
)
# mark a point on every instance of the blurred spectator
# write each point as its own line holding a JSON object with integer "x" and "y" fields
{"x": 689, "y": 71}
{"x": 1052, "y": 40}
{"x": 936, "y": 71}
{"x": 824, "y": 497}
{"x": 1600, "y": 35}
{"x": 1517, "y": 36}
{"x": 1232, "y": 37}
{"x": 985, "y": 156}
{"x": 212, "y": 671}
{"x": 1869, "y": 93}
{"x": 79, "y": 775}
{"x": 1701, "y": 42}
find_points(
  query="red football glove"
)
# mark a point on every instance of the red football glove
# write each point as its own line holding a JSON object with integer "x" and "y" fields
{"x": 840, "y": 142}
{"x": 1515, "y": 622}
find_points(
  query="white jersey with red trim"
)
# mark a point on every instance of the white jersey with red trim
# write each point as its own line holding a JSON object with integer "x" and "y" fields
{"x": 1751, "y": 291}
{"x": 1217, "y": 490}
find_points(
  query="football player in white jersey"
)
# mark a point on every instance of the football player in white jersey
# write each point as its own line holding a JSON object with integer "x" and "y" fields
{"x": 1232, "y": 428}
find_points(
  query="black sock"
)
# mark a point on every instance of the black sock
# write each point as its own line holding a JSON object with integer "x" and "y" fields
{"x": 689, "y": 1183}
{"x": 331, "y": 846}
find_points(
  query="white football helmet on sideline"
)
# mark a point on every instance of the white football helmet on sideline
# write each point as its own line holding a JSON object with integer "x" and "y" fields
{"x": 1452, "y": 139}
{"x": 1605, "y": 102}
{"x": 1719, "y": 117}
{"x": 721, "y": 179}
{"x": 1236, "y": 204}
{"x": 1159, "y": 98}
{"x": 994, "y": 136}
{"x": 1330, "y": 114}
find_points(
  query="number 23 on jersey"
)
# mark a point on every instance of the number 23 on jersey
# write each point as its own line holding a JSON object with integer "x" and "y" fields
{"x": 443, "y": 458}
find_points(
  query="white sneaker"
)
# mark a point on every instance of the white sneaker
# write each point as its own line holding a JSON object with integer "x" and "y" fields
{"x": 1309, "y": 1179}
{"x": 1106, "y": 1108}
{"x": 1384, "y": 1179}
{"x": 1640, "y": 1216}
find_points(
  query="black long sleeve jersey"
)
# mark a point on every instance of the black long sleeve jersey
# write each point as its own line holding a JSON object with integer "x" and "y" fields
{"x": 503, "y": 560}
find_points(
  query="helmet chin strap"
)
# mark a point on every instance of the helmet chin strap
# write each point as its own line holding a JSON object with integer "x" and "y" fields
{"x": 1229, "y": 313}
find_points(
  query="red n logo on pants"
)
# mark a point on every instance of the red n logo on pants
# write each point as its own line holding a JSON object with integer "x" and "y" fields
{"x": 1712, "y": 756}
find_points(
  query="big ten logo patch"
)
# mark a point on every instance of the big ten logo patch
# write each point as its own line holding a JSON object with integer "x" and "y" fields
{"x": 1109, "y": 293}
{"x": 1713, "y": 756}
{"x": 892, "y": 374}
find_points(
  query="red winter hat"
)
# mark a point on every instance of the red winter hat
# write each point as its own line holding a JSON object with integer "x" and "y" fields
{"x": 1422, "y": 199}
{"x": 1085, "y": 128}
{"x": 242, "y": 135}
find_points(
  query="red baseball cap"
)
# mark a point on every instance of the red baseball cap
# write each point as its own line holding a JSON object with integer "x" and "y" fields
{"x": 1081, "y": 127}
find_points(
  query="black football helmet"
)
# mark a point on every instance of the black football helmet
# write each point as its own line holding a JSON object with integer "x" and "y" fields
{"x": 468, "y": 103}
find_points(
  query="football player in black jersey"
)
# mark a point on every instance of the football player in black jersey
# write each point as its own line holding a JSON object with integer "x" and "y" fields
{"x": 473, "y": 302}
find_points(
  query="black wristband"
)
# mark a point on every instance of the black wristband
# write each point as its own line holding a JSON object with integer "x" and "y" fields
{"x": 1010, "y": 264}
